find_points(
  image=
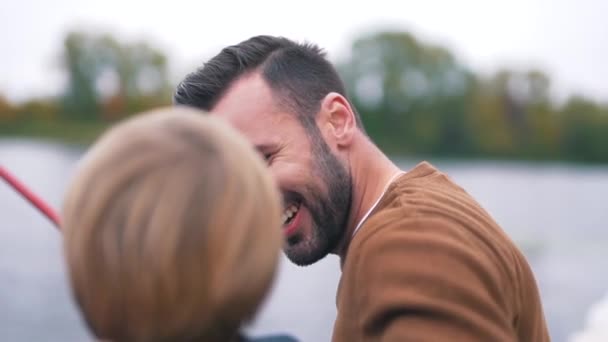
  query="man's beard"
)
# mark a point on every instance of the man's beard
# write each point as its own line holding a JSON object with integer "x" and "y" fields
{"x": 329, "y": 209}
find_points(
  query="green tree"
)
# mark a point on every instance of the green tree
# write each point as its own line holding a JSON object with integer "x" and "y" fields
{"x": 412, "y": 95}
{"x": 584, "y": 130}
{"x": 82, "y": 66}
{"x": 109, "y": 78}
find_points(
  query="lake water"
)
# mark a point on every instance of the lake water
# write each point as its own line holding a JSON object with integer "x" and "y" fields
{"x": 556, "y": 213}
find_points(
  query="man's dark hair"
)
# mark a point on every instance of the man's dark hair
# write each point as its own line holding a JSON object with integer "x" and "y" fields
{"x": 298, "y": 73}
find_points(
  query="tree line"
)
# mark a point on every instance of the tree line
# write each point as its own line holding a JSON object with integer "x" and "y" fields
{"x": 415, "y": 98}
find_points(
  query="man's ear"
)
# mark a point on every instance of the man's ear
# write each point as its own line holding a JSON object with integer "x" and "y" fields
{"x": 337, "y": 120}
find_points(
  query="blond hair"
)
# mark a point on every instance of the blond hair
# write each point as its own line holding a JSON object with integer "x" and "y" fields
{"x": 171, "y": 229}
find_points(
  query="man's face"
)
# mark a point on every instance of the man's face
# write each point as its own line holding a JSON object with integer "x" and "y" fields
{"x": 315, "y": 185}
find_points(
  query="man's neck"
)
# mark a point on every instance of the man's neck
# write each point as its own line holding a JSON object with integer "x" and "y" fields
{"x": 370, "y": 171}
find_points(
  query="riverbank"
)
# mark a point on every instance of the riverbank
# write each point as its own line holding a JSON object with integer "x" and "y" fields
{"x": 66, "y": 132}
{"x": 83, "y": 133}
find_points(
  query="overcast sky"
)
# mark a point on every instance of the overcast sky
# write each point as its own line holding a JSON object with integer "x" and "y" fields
{"x": 566, "y": 38}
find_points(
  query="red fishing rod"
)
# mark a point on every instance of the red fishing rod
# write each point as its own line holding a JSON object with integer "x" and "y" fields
{"x": 30, "y": 196}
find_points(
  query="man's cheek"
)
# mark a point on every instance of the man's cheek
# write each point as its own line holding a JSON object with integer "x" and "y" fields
{"x": 287, "y": 176}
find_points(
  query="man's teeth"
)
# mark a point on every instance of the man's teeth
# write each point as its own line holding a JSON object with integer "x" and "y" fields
{"x": 289, "y": 213}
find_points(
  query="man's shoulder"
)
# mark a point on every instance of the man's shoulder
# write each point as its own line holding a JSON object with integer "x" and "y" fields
{"x": 426, "y": 180}
{"x": 427, "y": 191}
{"x": 428, "y": 211}
{"x": 420, "y": 197}
{"x": 431, "y": 249}
{"x": 409, "y": 228}
{"x": 429, "y": 243}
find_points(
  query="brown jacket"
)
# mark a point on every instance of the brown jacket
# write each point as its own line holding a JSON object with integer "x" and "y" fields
{"x": 430, "y": 264}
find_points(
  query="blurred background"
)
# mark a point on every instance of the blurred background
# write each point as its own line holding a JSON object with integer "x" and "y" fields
{"x": 509, "y": 98}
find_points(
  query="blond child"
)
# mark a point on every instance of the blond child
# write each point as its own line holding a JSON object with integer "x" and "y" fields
{"x": 171, "y": 229}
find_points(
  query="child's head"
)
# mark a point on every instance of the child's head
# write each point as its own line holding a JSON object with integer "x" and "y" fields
{"x": 172, "y": 229}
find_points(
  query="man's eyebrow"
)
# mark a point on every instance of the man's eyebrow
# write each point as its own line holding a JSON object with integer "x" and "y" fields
{"x": 265, "y": 146}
